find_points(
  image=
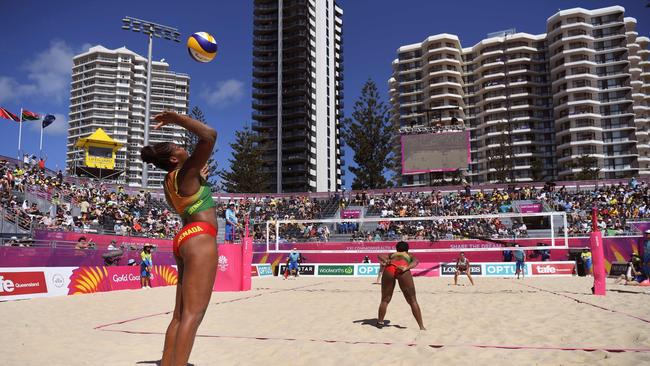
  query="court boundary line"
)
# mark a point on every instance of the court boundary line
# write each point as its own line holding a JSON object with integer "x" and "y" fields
{"x": 586, "y": 302}
{"x": 380, "y": 343}
{"x": 411, "y": 344}
{"x": 102, "y": 326}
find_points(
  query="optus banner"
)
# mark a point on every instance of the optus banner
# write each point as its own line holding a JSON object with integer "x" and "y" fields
{"x": 508, "y": 269}
{"x": 367, "y": 269}
{"x": 335, "y": 270}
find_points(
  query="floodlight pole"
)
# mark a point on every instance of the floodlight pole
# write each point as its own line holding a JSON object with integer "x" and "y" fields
{"x": 147, "y": 111}
{"x": 151, "y": 29}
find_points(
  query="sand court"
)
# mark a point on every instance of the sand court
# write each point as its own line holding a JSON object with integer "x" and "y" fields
{"x": 327, "y": 321}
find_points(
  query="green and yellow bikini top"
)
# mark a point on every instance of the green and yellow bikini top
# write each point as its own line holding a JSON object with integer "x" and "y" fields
{"x": 400, "y": 258}
{"x": 190, "y": 205}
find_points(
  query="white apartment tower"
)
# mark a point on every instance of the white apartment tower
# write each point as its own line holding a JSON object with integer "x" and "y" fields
{"x": 297, "y": 92}
{"x": 547, "y": 99}
{"x": 108, "y": 91}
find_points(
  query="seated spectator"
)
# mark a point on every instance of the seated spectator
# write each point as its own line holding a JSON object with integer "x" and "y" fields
{"x": 82, "y": 243}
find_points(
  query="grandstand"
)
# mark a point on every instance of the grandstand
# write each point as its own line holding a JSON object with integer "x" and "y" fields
{"x": 34, "y": 202}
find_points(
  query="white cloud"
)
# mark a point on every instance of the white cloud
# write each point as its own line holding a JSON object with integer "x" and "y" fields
{"x": 10, "y": 89}
{"x": 50, "y": 70}
{"x": 57, "y": 128}
{"x": 48, "y": 74}
{"x": 226, "y": 93}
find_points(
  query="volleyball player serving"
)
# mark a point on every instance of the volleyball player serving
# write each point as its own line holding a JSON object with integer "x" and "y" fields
{"x": 195, "y": 246}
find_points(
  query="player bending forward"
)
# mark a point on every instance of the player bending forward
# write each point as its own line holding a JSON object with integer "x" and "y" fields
{"x": 462, "y": 266}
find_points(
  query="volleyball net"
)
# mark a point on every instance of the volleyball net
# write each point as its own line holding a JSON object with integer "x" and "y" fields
{"x": 530, "y": 231}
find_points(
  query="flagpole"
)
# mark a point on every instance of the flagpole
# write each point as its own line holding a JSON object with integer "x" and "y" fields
{"x": 40, "y": 149}
{"x": 20, "y": 133}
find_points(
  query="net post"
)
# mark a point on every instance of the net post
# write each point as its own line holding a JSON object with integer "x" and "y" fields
{"x": 247, "y": 257}
{"x": 268, "y": 235}
{"x": 552, "y": 217}
{"x": 565, "y": 231}
{"x": 598, "y": 256}
{"x": 277, "y": 235}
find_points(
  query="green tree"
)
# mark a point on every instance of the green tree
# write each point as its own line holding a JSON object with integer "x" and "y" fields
{"x": 537, "y": 168}
{"x": 191, "y": 140}
{"x": 396, "y": 155}
{"x": 589, "y": 167}
{"x": 500, "y": 159}
{"x": 368, "y": 133}
{"x": 246, "y": 174}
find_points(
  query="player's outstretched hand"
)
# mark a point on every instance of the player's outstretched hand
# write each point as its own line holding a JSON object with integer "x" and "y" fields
{"x": 165, "y": 118}
{"x": 205, "y": 171}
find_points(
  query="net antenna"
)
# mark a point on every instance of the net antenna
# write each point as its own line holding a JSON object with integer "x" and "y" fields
{"x": 279, "y": 238}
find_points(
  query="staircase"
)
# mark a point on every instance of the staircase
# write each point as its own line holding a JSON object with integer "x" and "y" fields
{"x": 13, "y": 224}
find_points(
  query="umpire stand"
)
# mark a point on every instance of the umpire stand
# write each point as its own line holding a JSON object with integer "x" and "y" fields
{"x": 98, "y": 160}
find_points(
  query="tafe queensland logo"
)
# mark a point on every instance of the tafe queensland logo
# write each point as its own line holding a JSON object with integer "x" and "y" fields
{"x": 223, "y": 263}
{"x": 553, "y": 269}
{"x": 20, "y": 283}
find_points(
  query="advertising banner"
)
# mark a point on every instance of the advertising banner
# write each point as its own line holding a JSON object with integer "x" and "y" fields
{"x": 367, "y": 269}
{"x": 303, "y": 269}
{"x": 335, "y": 270}
{"x": 86, "y": 280}
{"x": 553, "y": 268}
{"x": 22, "y": 283}
{"x": 263, "y": 270}
{"x": 58, "y": 281}
{"x": 449, "y": 269}
{"x": 508, "y": 269}
{"x": 350, "y": 214}
{"x": 426, "y": 270}
{"x": 617, "y": 269}
{"x": 530, "y": 208}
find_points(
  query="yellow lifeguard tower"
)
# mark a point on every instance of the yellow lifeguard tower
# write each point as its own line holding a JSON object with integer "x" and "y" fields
{"x": 99, "y": 156}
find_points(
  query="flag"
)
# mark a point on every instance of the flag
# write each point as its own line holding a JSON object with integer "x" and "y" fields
{"x": 30, "y": 116}
{"x": 48, "y": 120}
{"x": 8, "y": 115}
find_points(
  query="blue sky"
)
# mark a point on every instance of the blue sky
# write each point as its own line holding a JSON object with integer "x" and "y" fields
{"x": 39, "y": 38}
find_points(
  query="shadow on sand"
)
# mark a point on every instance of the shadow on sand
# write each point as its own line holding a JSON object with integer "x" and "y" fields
{"x": 157, "y": 363}
{"x": 373, "y": 322}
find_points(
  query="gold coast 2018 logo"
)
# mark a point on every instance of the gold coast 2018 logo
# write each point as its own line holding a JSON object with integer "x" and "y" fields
{"x": 86, "y": 280}
{"x": 222, "y": 263}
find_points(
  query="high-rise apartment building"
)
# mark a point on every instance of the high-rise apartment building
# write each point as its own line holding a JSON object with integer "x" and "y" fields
{"x": 297, "y": 92}
{"x": 108, "y": 91}
{"x": 534, "y": 104}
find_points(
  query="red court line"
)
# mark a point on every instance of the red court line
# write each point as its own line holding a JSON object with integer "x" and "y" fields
{"x": 100, "y": 327}
{"x": 484, "y": 346}
{"x": 586, "y": 302}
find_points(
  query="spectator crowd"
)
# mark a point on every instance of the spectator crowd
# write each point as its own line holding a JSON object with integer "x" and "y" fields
{"x": 90, "y": 206}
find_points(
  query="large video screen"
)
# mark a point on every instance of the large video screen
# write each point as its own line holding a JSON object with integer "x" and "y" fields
{"x": 435, "y": 152}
